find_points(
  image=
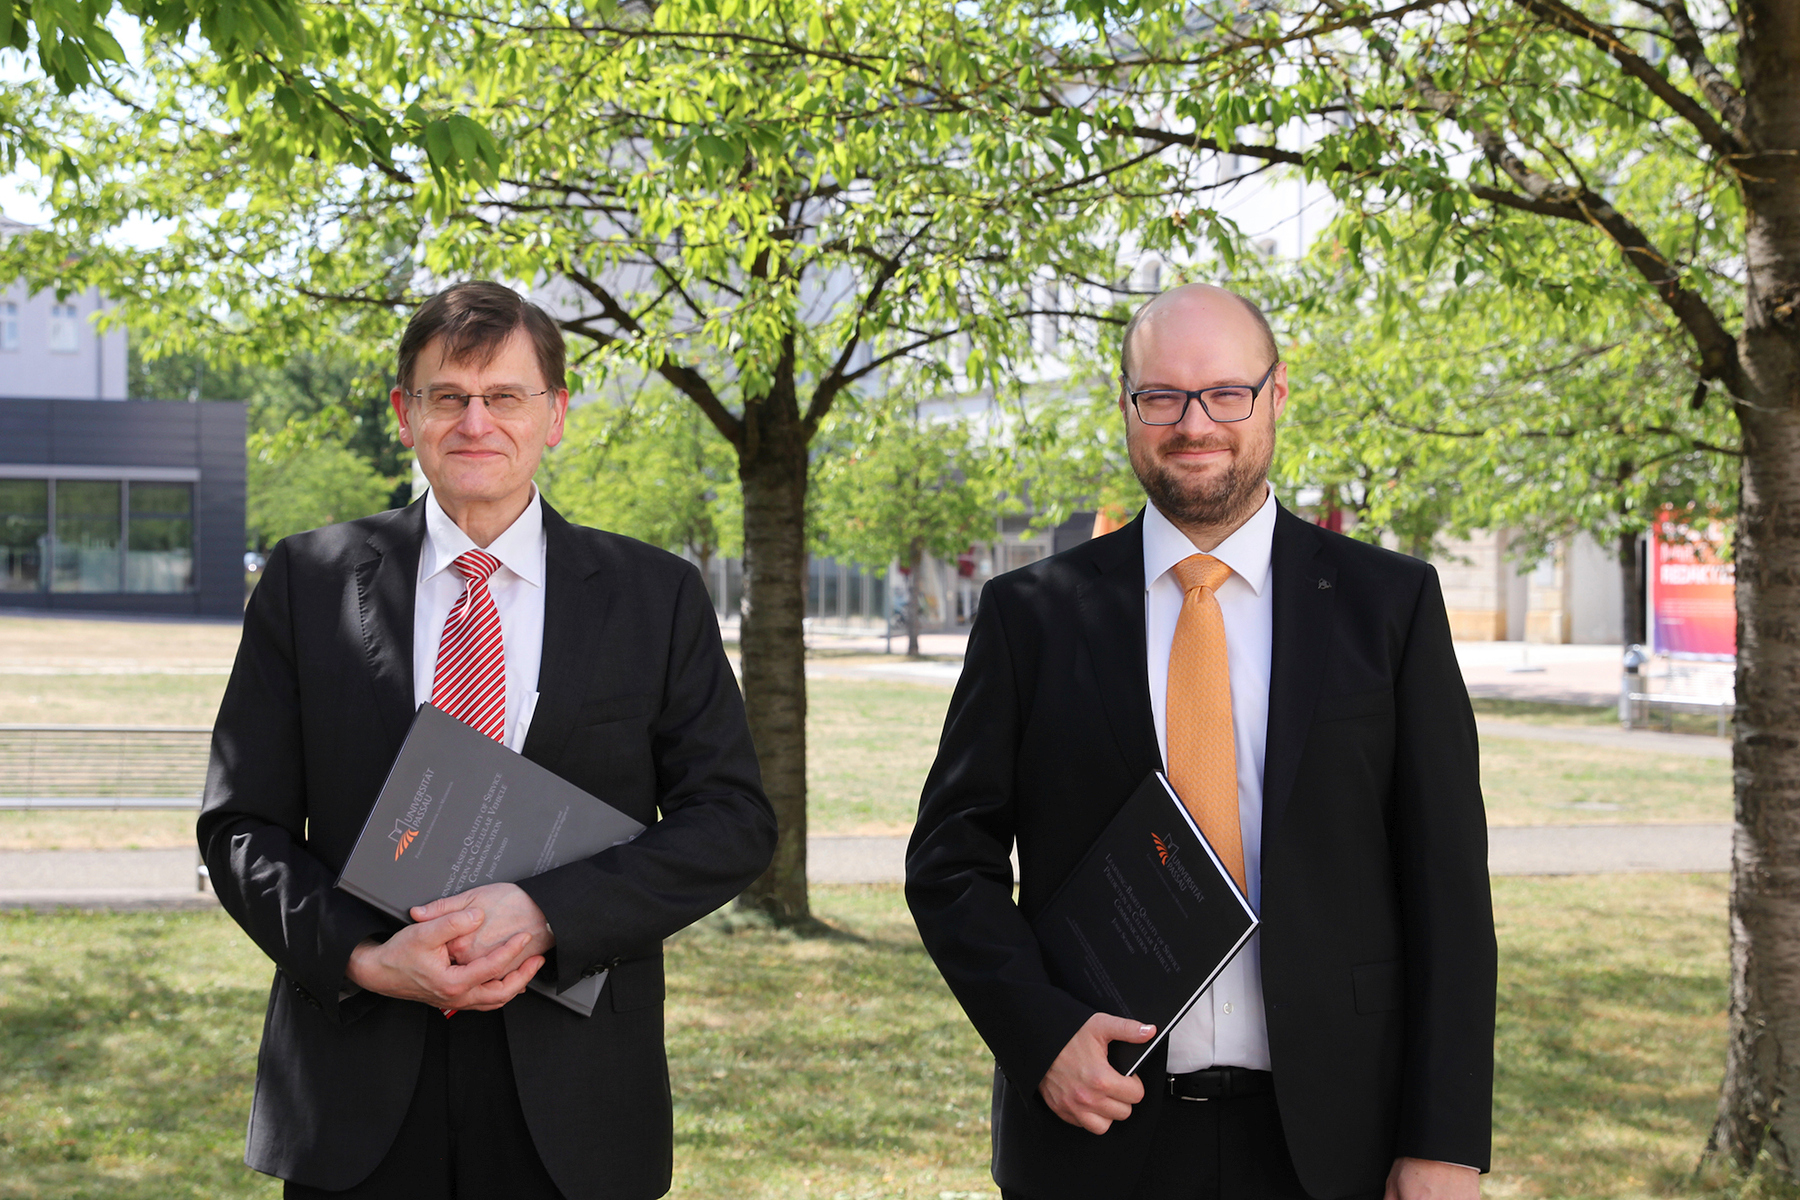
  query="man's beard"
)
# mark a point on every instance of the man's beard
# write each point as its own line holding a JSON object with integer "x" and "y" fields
{"x": 1219, "y": 500}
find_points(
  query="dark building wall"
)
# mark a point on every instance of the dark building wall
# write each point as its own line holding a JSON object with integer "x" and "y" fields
{"x": 207, "y": 437}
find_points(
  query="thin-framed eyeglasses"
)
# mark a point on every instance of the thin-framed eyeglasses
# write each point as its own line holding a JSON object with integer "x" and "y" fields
{"x": 1168, "y": 406}
{"x": 507, "y": 402}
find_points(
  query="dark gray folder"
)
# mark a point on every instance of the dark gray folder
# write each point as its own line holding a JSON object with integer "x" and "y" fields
{"x": 1147, "y": 920}
{"x": 460, "y": 810}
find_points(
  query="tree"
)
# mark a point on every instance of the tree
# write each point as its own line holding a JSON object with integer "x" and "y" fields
{"x": 293, "y": 487}
{"x": 651, "y": 469}
{"x": 1488, "y": 407}
{"x": 1662, "y": 141}
{"x": 902, "y": 488}
{"x": 764, "y": 207}
{"x": 267, "y": 50}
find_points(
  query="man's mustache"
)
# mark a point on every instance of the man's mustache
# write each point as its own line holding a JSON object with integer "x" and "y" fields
{"x": 1184, "y": 444}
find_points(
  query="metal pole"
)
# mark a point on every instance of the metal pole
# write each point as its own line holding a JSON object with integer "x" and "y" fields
{"x": 1629, "y": 683}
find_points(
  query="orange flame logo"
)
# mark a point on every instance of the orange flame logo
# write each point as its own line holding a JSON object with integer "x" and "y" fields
{"x": 1164, "y": 850}
{"x": 405, "y": 840}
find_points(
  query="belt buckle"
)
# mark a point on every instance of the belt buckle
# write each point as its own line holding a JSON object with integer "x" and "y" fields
{"x": 1189, "y": 1099}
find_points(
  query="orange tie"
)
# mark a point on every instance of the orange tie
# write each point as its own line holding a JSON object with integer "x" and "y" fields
{"x": 1202, "y": 754}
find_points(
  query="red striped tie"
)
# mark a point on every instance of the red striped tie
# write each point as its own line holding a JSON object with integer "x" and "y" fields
{"x": 470, "y": 683}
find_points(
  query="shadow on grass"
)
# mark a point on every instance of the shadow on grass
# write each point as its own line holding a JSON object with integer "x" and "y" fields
{"x": 792, "y": 1055}
{"x": 124, "y": 1081}
{"x": 1610, "y": 1037}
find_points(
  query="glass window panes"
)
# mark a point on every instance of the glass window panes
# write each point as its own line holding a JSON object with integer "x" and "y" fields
{"x": 24, "y": 533}
{"x": 64, "y": 334}
{"x": 160, "y": 544}
{"x": 87, "y": 536}
{"x": 9, "y": 326}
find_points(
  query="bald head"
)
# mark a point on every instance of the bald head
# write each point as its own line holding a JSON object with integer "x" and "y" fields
{"x": 1199, "y": 310}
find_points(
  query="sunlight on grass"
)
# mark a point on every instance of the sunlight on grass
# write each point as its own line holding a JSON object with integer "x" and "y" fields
{"x": 841, "y": 1067}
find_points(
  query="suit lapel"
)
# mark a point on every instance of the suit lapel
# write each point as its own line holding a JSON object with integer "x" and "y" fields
{"x": 1112, "y": 627}
{"x": 1305, "y": 591}
{"x": 387, "y": 580}
{"x": 577, "y": 597}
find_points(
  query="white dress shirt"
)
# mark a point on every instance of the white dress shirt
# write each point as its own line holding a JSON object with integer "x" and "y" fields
{"x": 518, "y": 591}
{"x": 1231, "y": 1030}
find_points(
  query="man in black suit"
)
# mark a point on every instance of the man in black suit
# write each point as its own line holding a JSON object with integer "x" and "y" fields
{"x": 596, "y": 655}
{"x": 1348, "y": 1051}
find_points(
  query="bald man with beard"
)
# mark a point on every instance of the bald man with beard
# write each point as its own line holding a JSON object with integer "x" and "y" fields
{"x": 1348, "y": 1050}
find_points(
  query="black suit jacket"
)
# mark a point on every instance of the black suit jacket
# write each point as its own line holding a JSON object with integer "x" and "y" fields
{"x": 637, "y": 705}
{"x": 1378, "y": 955}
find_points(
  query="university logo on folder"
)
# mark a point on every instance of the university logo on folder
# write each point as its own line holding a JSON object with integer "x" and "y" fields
{"x": 1147, "y": 920}
{"x": 464, "y": 811}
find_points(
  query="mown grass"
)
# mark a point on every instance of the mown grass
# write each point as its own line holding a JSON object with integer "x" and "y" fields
{"x": 870, "y": 743}
{"x": 1606, "y": 716}
{"x": 841, "y": 1067}
{"x": 134, "y": 699}
{"x": 1562, "y": 783}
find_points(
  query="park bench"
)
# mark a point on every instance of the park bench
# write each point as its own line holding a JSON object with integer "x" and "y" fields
{"x": 104, "y": 767}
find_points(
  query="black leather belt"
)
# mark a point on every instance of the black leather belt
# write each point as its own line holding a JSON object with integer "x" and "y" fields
{"x": 1221, "y": 1083}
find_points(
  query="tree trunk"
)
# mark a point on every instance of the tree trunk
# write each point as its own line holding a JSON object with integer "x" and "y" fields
{"x": 1631, "y": 616}
{"x": 912, "y": 601}
{"x": 772, "y": 468}
{"x": 1759, "y": 1104}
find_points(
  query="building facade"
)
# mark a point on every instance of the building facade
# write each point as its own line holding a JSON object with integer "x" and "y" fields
{"x": 129, "y": 507}
{"x": 109, "y": 504}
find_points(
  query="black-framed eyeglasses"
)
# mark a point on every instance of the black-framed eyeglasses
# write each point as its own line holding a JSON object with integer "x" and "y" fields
{"x": 1168, "y": 406}
{"x": 507, "y": 402}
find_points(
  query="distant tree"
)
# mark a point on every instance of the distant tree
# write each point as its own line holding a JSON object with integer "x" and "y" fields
{"x": 293, "y": 487}
{"x": 336, "y": 394}
{"x": 652, "y": 469}
{"x": 1481, "y": 406}
{"x": 899, "y": 488}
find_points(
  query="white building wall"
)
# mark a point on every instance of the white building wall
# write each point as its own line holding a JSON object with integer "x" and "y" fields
{"x": 50, "y": 349}
{"x": 1596, "y": 593}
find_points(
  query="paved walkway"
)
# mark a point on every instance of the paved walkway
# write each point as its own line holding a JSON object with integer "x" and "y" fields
{"x": 132, "y": 879}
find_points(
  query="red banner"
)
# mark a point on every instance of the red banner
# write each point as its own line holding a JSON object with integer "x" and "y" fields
{"x": 1693, "y": 610}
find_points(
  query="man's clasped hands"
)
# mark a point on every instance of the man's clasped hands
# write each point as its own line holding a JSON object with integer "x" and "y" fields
{"x": 477, "y": 949}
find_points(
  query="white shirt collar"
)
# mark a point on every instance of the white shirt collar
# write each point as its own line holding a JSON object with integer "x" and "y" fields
{"x": 1246, "y": 551}
{"x": 519, "y": 549}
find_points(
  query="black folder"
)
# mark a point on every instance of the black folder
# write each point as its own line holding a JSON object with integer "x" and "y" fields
{"x": 460, "y": 810}
{"x": 1147, "y": 920}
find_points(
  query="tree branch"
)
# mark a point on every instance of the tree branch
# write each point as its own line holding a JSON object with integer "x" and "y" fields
{"x": 836, "y": 379}
{"x": 1552, "y": 198}
{"x": 686, "y": 379}
{"x": 1719, "y": 90}
{"x": 1555, "y": 13}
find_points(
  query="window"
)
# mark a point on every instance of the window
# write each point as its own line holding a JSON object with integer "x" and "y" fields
{"x": 9, "y": 326}
{"x": 86, "y": 555}
{"x": 160, "y": 553}
{"x": 64, "y": 335}
{"x": 24, "y": 533}
{"x": 96, "y": 535}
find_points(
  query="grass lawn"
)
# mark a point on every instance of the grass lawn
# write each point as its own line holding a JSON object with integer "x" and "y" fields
{"x": 870, "y": 744}
{"x": 1563, "y": 783}
{"x": 841, "y": 1067}
{"x": 1605, "y": 716}
{"x": 136, "y": 699}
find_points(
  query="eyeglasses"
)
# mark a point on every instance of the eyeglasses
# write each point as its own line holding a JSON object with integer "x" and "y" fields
{"x": 508, "y": 402}
{"x": 1168, "y": 406}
